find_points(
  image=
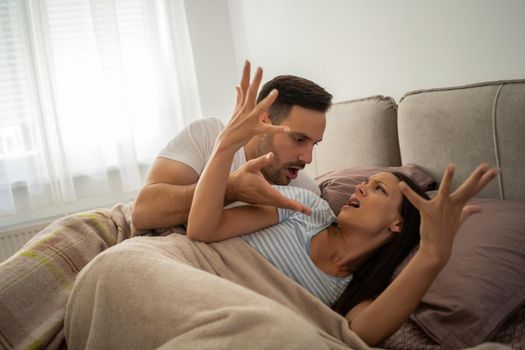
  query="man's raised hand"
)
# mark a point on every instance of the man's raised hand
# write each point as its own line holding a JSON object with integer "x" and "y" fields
{"x": 245, "y": 122}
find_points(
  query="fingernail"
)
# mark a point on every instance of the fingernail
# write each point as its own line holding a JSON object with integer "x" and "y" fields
{"x": 268, "y": 155}
{"x": 273, "y": 92}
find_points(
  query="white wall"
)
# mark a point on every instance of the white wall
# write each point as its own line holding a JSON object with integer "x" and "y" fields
{"x": 214, "y": 54}
{"x": 360, "y": 48}
{"x": 355, "y": 48}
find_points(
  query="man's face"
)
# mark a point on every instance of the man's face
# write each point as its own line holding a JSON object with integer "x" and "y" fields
{"x": 293, "y": 150}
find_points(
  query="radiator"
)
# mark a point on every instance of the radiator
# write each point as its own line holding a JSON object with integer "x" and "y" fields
{"x": 12, "y": 240}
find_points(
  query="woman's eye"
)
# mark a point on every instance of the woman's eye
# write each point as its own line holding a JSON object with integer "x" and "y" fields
{"x": 379, "y": 188}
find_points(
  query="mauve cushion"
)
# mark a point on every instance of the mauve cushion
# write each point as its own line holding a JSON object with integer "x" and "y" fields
{"x": 484, "y": 280}
{"x": 338, "y": 185}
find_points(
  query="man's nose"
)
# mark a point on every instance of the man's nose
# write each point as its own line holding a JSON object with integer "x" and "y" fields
{"x": 306, "y": 155}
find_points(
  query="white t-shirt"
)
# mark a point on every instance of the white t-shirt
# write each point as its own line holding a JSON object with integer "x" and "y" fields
{"x": 194, "y": 144}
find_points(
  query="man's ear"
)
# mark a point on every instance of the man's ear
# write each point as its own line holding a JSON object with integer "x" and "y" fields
{"x": 396, "y": 226}
{"x": 265, "y": 118}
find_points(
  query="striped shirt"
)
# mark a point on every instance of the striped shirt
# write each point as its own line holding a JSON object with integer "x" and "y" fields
{"x": 287, "y": 244}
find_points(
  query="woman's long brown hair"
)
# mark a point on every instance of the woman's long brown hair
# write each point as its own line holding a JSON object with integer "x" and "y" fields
{"x": 376, "y": 273}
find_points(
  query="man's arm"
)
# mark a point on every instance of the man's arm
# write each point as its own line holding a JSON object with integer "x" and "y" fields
{"x": 165, "y": 199}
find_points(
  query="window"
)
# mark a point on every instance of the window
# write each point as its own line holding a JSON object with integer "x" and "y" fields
{"x": 90, "y": 91}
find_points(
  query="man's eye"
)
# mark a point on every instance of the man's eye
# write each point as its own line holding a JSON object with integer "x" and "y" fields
{"x": 299, "y": 139}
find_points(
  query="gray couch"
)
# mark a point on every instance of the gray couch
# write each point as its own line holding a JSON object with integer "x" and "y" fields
{"x": 480, "y": 295}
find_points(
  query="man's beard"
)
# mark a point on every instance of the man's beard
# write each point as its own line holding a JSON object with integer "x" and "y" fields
{"x": 275, "y": 173}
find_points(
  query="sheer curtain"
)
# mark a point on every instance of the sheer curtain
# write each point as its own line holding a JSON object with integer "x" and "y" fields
{"x": 90, "y": 90}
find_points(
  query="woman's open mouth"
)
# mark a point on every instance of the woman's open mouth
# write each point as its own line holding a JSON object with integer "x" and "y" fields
{"x": 354, "y": 202}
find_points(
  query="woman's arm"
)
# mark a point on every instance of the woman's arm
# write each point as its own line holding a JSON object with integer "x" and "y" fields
{"x": 441, "y": 218}
{"x": 374, "y": 321}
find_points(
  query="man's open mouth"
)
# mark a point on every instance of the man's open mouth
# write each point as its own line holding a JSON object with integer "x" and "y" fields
{"x": 292, "y": 172}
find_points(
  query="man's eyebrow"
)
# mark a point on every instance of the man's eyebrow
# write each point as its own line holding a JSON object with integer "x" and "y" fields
{"x": 300, "y": 134}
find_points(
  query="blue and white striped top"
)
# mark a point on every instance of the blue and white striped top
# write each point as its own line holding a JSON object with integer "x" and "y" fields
{"x": 287, "y": 244}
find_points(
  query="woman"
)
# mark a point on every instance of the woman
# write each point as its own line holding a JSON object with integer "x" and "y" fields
{"x": 376, "y": 226}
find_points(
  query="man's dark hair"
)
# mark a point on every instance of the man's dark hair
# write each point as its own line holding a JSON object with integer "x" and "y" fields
{"x": 296, "y": 91}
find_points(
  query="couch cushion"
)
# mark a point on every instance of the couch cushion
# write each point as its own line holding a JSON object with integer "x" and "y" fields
{"x": 467, "y": 125}
{"x": 358, "y": 133}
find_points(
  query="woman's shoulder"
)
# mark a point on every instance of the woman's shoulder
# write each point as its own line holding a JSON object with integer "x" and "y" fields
{"x": 298, "y": 193}
{"x": 306, "y": 198}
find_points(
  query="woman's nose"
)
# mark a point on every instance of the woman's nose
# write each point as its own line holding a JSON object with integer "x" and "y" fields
{"x": 362, "y": 188}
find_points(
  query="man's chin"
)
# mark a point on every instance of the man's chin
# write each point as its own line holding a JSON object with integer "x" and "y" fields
{"x": 287, "y": 181}
{"x": 284, "y": 180}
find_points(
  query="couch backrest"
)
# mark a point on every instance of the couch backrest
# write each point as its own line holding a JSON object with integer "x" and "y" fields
{"x": 465, "y": 126}
{"x": 358, "y": 133}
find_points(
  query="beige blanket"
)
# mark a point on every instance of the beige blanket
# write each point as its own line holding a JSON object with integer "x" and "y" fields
{"x": 36, "y": 283}
{"x": 166, "y": 291}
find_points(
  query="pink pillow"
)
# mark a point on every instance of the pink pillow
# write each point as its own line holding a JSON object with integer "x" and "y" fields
{"x": 338, "y": 185}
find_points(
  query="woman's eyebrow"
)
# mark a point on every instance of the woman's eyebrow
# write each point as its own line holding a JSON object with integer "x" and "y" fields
{"x": 382, "y": 183}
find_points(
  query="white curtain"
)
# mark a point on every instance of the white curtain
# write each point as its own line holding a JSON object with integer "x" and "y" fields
{"x": 90, "y": 90}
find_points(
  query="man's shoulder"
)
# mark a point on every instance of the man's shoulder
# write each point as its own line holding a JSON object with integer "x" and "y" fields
{"x": 207, "y": 123}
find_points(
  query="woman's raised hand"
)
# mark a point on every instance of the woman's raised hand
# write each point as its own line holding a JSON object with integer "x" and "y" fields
{"x": 442, "y": 216}
{"x": 245, "y": 122}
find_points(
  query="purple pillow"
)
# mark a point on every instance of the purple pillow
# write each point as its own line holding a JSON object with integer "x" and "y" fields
{"x": 338, "y": 185}
{"x": 484, "y": 281}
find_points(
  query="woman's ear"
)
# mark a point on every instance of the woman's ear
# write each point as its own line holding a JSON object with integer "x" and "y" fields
{"x": 396, "y": 226}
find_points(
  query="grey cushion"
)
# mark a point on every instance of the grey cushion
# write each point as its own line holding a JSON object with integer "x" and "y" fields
{"x": 466, "y": 126}
{"x": 358, "y": 133}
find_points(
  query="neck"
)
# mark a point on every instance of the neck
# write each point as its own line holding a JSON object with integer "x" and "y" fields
{"x": 338, "y": 253}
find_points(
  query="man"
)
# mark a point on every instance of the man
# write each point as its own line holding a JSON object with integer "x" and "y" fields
{"x": 165, "y": 199}
{"x": 37, "y": 281}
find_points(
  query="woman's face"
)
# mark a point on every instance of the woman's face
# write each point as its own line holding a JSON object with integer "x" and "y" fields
{"x": 373, "y": 207}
